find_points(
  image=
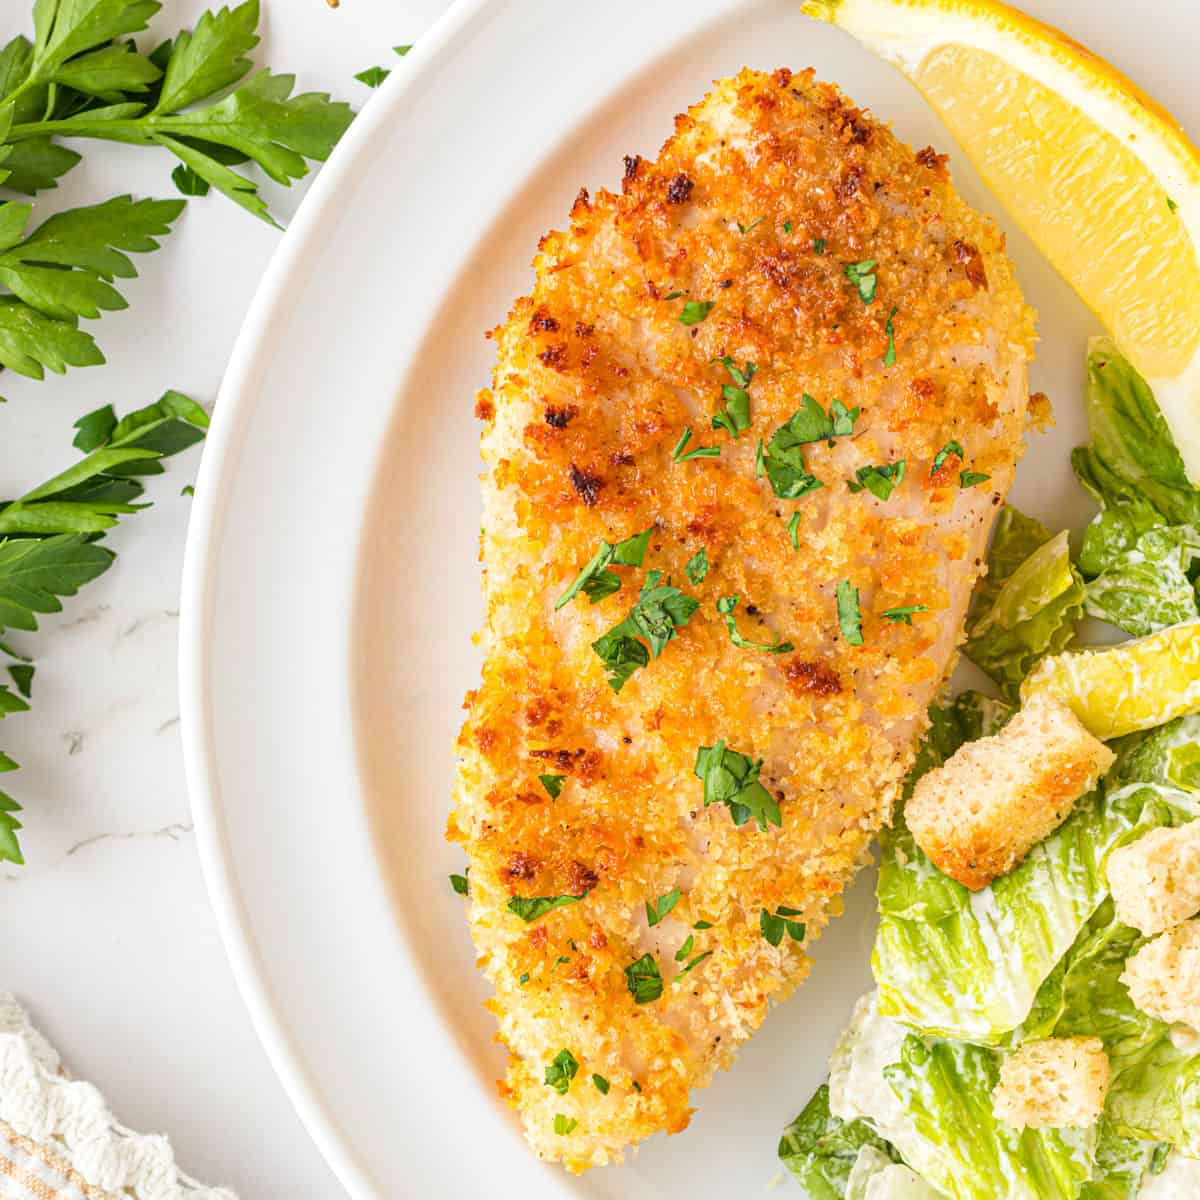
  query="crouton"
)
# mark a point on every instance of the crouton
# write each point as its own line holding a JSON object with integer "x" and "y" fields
{"x": 980, "y": 813}
{"x": 1155, "y": 881}
{"x": 1054, "y": 1083}
{"x": 1163, "y": 977}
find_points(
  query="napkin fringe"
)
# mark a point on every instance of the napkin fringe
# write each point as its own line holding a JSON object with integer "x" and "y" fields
{"x": 52, "y": 1125}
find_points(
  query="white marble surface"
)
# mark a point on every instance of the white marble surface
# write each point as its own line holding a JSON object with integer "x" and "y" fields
{"x": 107, "y": 933}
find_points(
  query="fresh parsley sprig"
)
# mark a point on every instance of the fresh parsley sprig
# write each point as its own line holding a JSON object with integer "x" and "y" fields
{"x": 660, "y": 611}
{"x": 48, "y": 536}
{"x": 65, "y": 270}
{"x": 880, "y": 481}
{"x": 74, "y": 80}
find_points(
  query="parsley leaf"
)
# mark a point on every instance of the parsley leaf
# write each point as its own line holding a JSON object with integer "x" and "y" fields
{"x": 459, "y": 883}
{"x": 107, "y": 94}
{"x": 903, "y": 616}
{"x": 529, "y": 908}
{"x": 644, "y": 980}
{"x": 849, "y": 613}
{"x": 889, "y": 357}
{"x": 48, "y": 542}
{"x": 731, "y": 778}
{"x": 818, "y": 245}
{"x": 784, "y": 458}
{"x": 374, "y": 76}
{"x": 697, "y": 567}
{"x": 660, "y": 610}
{"x": 787, "y": 227}
{"x": 735, "y": 416}
{"x": 695, "y": 962}
{"x": 601, "y": 1084}
{"x": 694, "y": 311}
{"x": 564, "y": 1125}
{"x": 595, "y": 580}
{"x": 862, "y": 275}
{"x": 64, "y": 270}
{"x": 743, "y": 229}
{"x": 685, "y": 949}
{"x": 553, "y": 784}
{"x": 1171, "y": 205}
{"x": 944, "y": 453}
{"x": 726, "y": 607}
{"x": 968, "y": 479}
{"x": 702, "y": 925}
{"x": 774, "y": 925}
{"x": 793, "y": 530}
{"x": 560, "y": 1071}
{"x": 663, "y": 905}
{"x": 188, "y": 182}
{"x": 879, "y": 481}
{"x": 700, "y": 451}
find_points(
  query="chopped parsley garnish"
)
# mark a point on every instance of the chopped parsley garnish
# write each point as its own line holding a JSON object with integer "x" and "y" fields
{"x": 595, "y": 580}
{"x": 660, "y": 610}
{"x": 903, "y": 616}
{"x": 968, "y": 479}
{"x": 753, "y": 225}
{"x": 459, "y": 882}
{"x": 553, "y": 784}
{"x": 784, "y": 458}
{"x": 702, "y": 925}
{"x": 793, "y": 530}
{"x": 731, "y": 778}
{"x": 694, "y": 963}
{"x": 558, "y": 962}
{"x": 529, "y": 908}
{"x": 726, "y": 607}
{"x": 644, "y": 980}
{"x": 889, "y": 358}
{"x": 787, "y": 227}
{"x": 673, "y": 296}
{"x": 700, "y": 451}
{"x": 862, "y": 275}
{"x": 601, "y": 1084}
{"x": 561, "y": 1070}
{"x": 524, "y": 979}
{"x": 849, "y": 614}
{"x": 685, "y": 949}
{"x": 697, "y": 567}
{"x": 1171, "y": 204}
{"x": 879, "y": 481}
{"x": 759, "y": 464}
{"x": 818, "y": 245}
{"x": 564, "y": 1125}
{"x": 663, "y": 905}
{"x": 735, "y": 416}
{"x": 694, "y": 311}
{"x": 637, "y": 1087}
{"x": 944, "y": 453}
{"x": 774, "y": 925}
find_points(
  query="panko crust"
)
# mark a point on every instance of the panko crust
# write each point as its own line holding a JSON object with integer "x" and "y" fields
{"x": 596, "y": 378}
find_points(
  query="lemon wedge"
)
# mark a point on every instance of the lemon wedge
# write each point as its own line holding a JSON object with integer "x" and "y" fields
{"x": 1121, "y": 689}
{"x": 1101, "y": 177}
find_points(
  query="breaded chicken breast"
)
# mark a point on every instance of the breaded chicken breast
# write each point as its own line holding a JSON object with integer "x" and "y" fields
{"x": 708, "y": 656}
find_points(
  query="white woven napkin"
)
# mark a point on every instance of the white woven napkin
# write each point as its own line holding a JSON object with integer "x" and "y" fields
{"x": 58, "y": 1139}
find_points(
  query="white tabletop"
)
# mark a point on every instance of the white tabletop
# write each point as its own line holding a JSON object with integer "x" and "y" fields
{"x": 108, "y": 938}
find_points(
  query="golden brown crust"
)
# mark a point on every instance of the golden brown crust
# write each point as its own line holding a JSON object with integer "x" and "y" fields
{"x": 595, "y": 381}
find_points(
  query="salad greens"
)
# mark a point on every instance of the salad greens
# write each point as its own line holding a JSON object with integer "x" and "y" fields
{"x": 1027, "y": 604}
{"x": 963, "y": 977}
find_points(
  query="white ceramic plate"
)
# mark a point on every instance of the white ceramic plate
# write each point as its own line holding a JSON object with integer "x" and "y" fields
{"x": 331, "y": 584}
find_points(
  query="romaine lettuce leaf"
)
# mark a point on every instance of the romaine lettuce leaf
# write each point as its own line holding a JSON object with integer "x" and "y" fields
{"x": 1148, "y": 587}
{"x": 1178, "y": 1180}
{"x": 822, "y": 1151}
{"x": 932, "y": 1102}
{"x": 970, "y": 965}
{"x": 1139, "y": 551}
{"x": 1132, "y": 459}
{"x": 1155, "y": 1089}
{"x": 1027, "y": 604}
{"x": 1121, "y": 1166}
{"x": 877, "y": 1177}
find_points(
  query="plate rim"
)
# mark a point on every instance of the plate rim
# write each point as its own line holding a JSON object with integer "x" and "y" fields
{"x": 234, "y": 403}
